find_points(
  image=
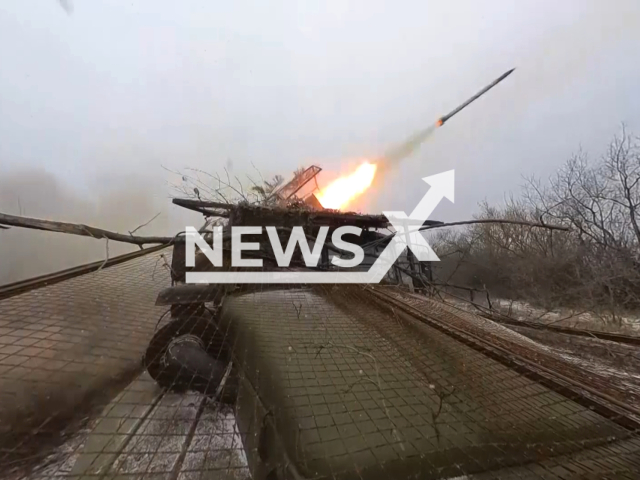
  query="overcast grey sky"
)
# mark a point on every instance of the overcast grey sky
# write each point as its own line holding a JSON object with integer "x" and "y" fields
{"x": 97, "y": 101}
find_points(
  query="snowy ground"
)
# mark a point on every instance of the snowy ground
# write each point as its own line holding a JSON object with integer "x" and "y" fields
{"x": 626, "y": 325}
{"x": 603, "y": 357}
{"x": 145, "y": 433}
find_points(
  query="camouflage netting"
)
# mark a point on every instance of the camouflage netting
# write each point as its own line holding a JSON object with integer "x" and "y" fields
{"x": 324, "y": 382}
{"x": 336, "y": 387}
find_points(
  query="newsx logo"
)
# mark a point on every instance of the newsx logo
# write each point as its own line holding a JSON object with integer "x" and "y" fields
{"x": 283, "y": 256}
{"x": 407, "y": 235}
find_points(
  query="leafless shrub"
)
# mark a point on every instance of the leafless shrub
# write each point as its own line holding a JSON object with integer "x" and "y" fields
{"x": 596, "y": 265}
{"x": 201, "y": 185}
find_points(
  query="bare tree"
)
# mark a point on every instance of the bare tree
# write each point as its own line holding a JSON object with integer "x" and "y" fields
{"x": 596, "y": 265}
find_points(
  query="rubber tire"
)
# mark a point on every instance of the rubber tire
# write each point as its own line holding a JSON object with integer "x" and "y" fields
{"x": 171, "y": 377}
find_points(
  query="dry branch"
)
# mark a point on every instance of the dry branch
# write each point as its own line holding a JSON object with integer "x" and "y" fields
{"x": 78, "y": 229}
{"x": 197, "y": 206}
{"x": 472, "y": 222}
{"x": 131, "y": 232}
{"x": 106, "y": 259}
{"x": 188, "y": 203}
{"x": 144, "y": 224}
{"x": 497, "y": 220}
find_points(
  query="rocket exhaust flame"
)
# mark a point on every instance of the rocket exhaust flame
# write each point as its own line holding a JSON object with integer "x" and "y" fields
{"x": 339, "y": 193}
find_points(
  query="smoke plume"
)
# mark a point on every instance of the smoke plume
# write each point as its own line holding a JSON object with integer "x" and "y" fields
{"x": 120, "y": 207}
